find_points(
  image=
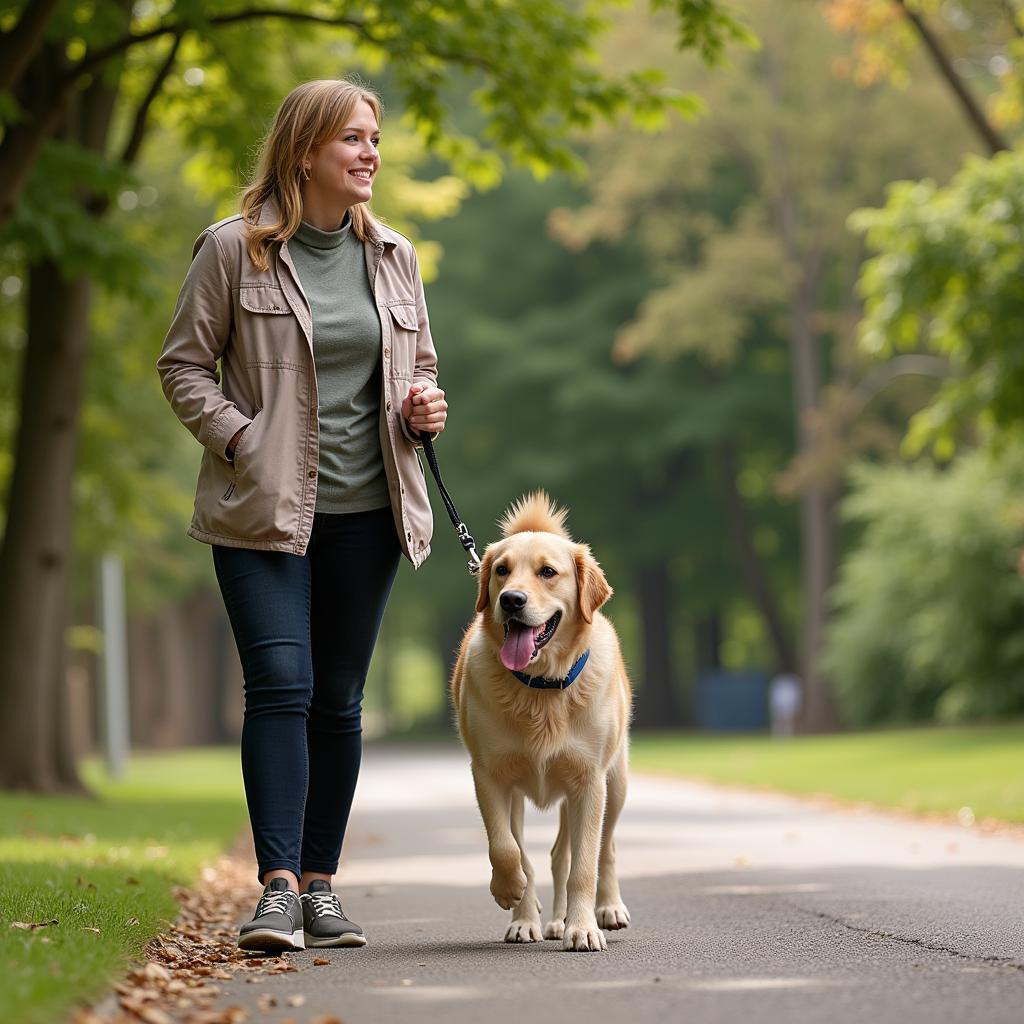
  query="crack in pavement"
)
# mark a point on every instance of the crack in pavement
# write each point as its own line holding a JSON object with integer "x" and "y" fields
{"x": 988, "y": 961}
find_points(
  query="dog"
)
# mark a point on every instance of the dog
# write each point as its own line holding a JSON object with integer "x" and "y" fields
{"x": 543, "y": 704}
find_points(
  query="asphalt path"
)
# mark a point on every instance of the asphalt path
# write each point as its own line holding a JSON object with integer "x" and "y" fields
{"x": 744, "y": 907}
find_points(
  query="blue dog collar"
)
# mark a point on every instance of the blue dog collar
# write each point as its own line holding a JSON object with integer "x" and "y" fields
{"x": 540, "y": 683}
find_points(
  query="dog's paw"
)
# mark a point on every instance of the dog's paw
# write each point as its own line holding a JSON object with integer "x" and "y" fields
{"x": 584, "y": 938}
{"x": 554, "y": 929}
{"x": 522, "y": 930}
{"x": 612, "y": 916}
{"x": 508, "y": 888}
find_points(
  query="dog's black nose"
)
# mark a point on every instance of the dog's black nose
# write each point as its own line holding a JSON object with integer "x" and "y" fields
{"x": 513, "y": 600}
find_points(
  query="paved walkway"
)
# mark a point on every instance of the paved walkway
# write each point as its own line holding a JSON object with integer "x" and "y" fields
{"x": 744, "y": 907}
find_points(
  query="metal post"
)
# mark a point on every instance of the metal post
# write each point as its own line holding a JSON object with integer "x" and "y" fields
{"x": 114, "y": 674}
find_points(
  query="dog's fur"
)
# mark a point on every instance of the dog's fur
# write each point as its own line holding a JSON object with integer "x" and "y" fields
{"x": 554, "y": 746}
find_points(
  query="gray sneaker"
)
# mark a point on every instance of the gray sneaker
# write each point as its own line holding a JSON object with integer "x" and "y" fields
{"x": 324, "y": 921}
{"x": 277, "y": 924}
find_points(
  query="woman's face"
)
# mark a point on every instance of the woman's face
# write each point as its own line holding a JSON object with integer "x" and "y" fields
{"x": 341, "y": 171}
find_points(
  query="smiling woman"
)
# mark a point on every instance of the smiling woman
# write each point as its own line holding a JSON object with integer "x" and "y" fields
{"x": 310, "y": 487}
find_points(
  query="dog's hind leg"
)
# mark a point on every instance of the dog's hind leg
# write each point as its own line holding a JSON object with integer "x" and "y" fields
{"x": 611, "y": 911}
{"x": 560, "y": 853}
{"x": 525, "y": 926}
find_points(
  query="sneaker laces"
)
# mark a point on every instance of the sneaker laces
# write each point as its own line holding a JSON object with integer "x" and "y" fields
{"x": 325, "y": 904}
{"x": 274, "y": 903}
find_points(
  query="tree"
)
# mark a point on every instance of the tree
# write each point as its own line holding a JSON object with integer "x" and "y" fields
{"x": 984, "y": 41}
{"x": 945, "y": 277}
{"x": 71, "y": 89}
{"x": 929, "y": 602}
{"x": 743, "y": 217}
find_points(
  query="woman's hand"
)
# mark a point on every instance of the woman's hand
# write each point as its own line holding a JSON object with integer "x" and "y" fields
{"x": 425, "y": 409}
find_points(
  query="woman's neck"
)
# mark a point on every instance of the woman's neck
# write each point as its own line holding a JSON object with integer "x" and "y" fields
{"x": 322, "y": 215}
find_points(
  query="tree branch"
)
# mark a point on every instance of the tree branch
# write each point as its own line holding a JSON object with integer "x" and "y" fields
{"x": 134, "y": 143}
{"x": 91, "y": 61}
{"x": 1014, "y": 15}
{"x": 882, "y": 376}
{"x": 20, "y": 44}
{"x": 989, "y": 134}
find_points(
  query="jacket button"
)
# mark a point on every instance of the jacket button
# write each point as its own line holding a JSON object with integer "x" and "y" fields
{"x": 387, "y": 352}
{"x": 389, "y": 407}
{"x": 409, "y": 535}
{"x": 311, "y": 474}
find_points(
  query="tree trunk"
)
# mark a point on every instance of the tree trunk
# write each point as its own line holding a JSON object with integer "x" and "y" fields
{"x": 36, "y": 551}
{"x": 817, "y": 507}
{"x": 656, "y": 704}
{"x": 758, "y": 585}
{"x": 817, "y": 522}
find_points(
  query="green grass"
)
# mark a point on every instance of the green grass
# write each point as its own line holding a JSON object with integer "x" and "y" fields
{"x": 109, "y": 863}
{"x": 921, "y": 771}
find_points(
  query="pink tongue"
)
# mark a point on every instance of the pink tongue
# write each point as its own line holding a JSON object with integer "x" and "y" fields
{"x": 517, "y": 649}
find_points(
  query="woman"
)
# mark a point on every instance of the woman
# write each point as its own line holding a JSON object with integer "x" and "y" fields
{"x": 310, "y": 487}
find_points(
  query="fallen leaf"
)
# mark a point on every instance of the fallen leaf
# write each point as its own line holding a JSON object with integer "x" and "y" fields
{"x": 131, "y": 922}
{"x": 90, "y": 928}
{"x": 296, "y": 1000}
{"x": 34, "y": 925}
{"x": 156, "y": 972}
{"x": 320, "y": 962}
{"x": 151, "y": 1015}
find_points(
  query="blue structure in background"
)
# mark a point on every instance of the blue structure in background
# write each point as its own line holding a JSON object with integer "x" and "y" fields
{"x": 732, "y": 701}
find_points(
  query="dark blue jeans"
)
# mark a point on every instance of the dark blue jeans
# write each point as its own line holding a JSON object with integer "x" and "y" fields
{"x": 305, "y": 626}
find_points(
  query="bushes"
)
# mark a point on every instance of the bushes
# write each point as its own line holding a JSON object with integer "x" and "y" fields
{"x": 929, "y": 608}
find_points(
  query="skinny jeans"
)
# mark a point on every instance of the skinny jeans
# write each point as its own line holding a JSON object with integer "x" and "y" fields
{"x": 305, "y": 627}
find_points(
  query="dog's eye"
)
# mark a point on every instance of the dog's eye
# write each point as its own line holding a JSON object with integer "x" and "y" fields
{"x": 547, "y": 572}
{"x": 502, "y": 570}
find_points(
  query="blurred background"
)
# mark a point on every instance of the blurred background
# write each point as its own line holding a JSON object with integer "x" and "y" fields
{"x": 738, "y": 284}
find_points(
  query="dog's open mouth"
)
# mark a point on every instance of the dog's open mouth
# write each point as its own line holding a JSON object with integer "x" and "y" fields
{"x": 523, "y": 642}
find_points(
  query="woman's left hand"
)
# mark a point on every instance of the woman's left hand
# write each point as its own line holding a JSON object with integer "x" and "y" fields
{"x": 425, "y": 409}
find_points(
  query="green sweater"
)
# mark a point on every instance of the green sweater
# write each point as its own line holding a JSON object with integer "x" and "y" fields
{"x": 346, "y": 352}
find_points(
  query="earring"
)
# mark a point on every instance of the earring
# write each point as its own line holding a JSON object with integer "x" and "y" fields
{"x": 306, "y": 173}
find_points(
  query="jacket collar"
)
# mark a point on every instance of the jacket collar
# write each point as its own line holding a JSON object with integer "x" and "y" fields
{"x": 379, "y": 234}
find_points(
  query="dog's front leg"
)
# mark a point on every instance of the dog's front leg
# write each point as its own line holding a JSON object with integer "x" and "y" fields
{"x": 508, "y": 881}
{"x": 586, "y": 810}
{"x": 525, "y": 926}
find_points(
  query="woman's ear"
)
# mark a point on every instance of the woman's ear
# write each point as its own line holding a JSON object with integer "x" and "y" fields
{"x": 593, "y": 586}
{"x": 484, "y": 597}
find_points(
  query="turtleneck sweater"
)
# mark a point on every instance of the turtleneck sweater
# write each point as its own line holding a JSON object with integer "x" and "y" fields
{"x": 347, "y": 355}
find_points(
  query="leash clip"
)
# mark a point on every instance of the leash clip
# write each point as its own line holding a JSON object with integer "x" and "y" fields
{"x": 466, "y": 538}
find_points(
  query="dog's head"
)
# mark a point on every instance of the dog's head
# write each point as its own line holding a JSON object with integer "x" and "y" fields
{"x": 539, "y": 588}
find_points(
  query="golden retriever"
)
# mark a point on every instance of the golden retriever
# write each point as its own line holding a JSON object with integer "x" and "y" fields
{"x": 538, "y": 611}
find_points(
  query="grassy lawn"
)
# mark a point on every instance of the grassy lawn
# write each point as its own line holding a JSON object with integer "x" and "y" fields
{"x": 104, "y": 869}
{"x": 924, "y": 771}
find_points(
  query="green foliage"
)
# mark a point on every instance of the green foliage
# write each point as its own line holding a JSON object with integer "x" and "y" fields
{"x": 930, "y": 602}
{"x": 947, "y": 277}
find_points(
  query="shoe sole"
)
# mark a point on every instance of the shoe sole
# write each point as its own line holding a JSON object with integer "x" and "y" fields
{"x": 268, "y": 940}
{"x": 349, "y": 939}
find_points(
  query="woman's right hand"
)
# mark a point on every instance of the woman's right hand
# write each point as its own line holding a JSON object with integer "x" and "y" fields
{"x": 229, "y": 452}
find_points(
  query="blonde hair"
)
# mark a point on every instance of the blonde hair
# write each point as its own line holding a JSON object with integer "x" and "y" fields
{"x": 309, "y": 116}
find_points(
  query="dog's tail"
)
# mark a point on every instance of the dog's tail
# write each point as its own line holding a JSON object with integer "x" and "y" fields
{"x": 534, "y": 512}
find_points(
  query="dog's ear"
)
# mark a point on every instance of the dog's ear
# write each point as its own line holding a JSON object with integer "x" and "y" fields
{"x": 483, "y": 599}
{"x": 594, "y": 589}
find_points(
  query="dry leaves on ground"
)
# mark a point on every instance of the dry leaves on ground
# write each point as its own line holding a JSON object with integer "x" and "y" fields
{"x": 177, "y": 984}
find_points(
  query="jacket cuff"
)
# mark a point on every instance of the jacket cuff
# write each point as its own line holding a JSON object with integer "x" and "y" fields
{"x": 223, "y": 428}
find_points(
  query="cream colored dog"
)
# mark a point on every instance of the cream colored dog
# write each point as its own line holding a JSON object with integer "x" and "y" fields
{"x": 537, "y": 618}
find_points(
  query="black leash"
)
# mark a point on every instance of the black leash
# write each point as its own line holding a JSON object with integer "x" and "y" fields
{"x": 465, "y": 537}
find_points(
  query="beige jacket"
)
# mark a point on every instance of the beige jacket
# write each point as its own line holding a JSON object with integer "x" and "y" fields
{"x": 258, "y": 324}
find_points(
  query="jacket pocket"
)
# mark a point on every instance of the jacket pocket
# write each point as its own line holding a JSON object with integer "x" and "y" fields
{"x": 263, "y": 298}
{"x": 404, "y": 333}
